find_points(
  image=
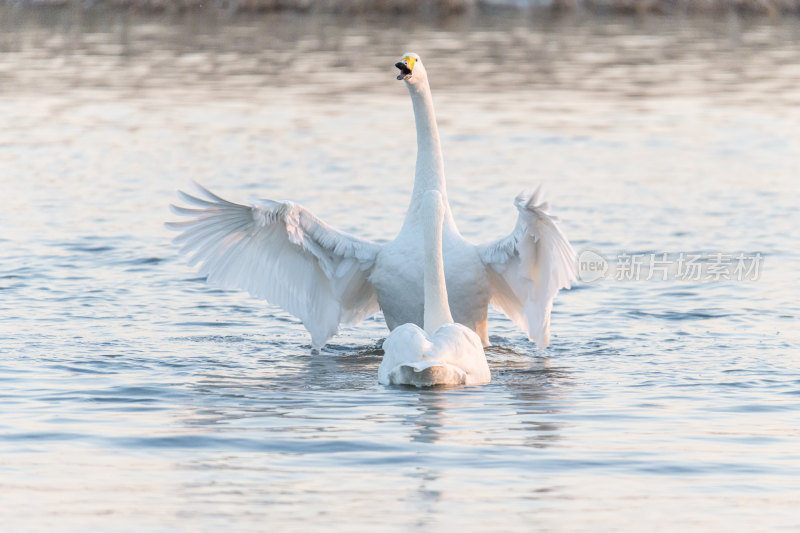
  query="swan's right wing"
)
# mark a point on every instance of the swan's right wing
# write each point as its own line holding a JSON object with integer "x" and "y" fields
{"x": 527, "y": 268}
{"x": 280, "y": 252}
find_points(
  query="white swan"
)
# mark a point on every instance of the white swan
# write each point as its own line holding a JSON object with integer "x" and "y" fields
{"x": 281, "y": 252}
{"x": 444, "y": 353}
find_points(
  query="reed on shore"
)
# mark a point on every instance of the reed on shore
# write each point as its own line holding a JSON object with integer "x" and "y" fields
{"x": 365, "y": 7}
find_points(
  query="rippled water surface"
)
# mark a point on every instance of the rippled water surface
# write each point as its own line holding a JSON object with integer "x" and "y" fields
{"x": 134, "y": 396}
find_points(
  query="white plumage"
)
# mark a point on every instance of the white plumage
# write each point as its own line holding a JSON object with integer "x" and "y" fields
{"x": 281, "y": 252}
{"x": 528, "y": 268}
{"x": 452, "y": 355}
{"x": 443, "y": 353}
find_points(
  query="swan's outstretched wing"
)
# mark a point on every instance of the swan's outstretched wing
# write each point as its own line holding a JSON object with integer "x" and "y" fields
{"x": 281, "y": 252}
{"x": 529, "y": 267}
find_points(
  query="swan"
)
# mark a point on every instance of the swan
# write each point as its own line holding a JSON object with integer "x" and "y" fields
{"x": 444, "y": 353}
{"x": 281, "y": 252}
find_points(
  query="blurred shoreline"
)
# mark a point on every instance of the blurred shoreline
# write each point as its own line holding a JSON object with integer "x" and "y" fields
{"x": 436, "y": 7}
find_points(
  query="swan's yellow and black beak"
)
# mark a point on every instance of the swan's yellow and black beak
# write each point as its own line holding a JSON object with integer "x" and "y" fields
{"x": 406, "y": 66}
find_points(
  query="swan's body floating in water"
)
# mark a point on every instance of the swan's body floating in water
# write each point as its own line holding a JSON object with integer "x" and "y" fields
{"x": 444, "y": 353}
{"x": 281, "y": 252}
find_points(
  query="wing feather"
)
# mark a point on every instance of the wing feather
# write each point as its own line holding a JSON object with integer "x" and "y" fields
{"x": 528, "y": 267}
{"x": 281, "y": 252}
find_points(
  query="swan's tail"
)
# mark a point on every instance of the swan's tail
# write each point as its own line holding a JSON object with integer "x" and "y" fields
{"x": 427, "y": 374}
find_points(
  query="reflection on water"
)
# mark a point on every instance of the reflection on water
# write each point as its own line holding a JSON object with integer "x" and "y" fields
{"x": 136, "y": 396}
{"x": 430, "y": 418}
{"x": 731, "y": 60}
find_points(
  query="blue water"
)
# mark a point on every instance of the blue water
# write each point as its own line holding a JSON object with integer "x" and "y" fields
{"x": 136, "y": 397}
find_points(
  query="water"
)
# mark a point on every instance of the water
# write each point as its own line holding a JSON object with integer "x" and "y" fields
{"x": 137, "y": 397}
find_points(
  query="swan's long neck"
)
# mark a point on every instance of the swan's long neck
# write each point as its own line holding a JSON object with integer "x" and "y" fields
{"x": 437, "y": 309}
{"x": 429, "y": 173}
{"x": 430, "y": 165}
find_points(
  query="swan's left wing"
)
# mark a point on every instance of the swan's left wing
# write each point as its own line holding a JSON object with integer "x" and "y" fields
{"x": 279, "y": 251}
{"x": 528, "y": 268}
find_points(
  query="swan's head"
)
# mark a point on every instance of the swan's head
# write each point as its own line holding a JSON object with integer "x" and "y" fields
{"x": 411, "y": 69}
